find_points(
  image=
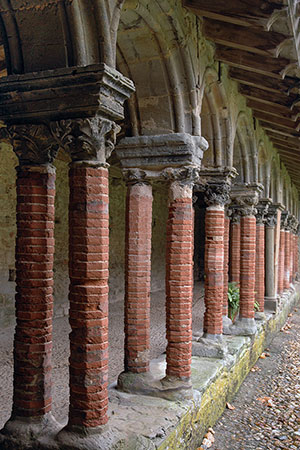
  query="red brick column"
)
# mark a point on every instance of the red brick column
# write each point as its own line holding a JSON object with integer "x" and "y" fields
{"x": 34, "y": 301}
{"x": 137, "y": 277}
{"x": 214, "y": 270}
{"x": 281, "y": 261}
{"x": 291, "y": 256}
{"x": 260, "y": 265}
{"x": 247, "y": 277}
{"x": 88, "y": 266}
{"x": 286, "y": 282}
{"x": 235, "y": 249}
{"x": 179, "y": 280}
{"x": 226, "y": 265}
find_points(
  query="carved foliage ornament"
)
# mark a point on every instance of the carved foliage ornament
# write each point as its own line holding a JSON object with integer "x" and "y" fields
{"x": 135, "y": 176}
{"x": 33, "y": 144}
{"x": 246, "y": 205}
{"x": 261, "y": 215}
{"x": 217, "y": 194}
{"x": 186, "y": 175}
{"x": 271, "y": 220}
{"x": 89, "y": 139}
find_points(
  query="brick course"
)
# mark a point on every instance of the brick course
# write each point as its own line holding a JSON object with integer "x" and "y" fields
{"x": 260, "y": 266}
{"x": 137, "y": 277}
{"x": 247, "y": 274}
{"x": 179, "y": 285}
{"x": 286, "y": 282}
{"x": 235, "y": 252}
{"x": 226, "y": 265}
{"x": 281, "y": 262}
{"x": 34, "y": 300}
{"x": 88, "y": 267}
{"x": 214, "y": 270}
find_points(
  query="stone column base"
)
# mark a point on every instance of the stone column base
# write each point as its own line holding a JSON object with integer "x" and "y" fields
{"x": 259, "y": 315}
{"x": 227, "y": 323}
{"x": 243, "y": 327}
{"x": 170, "y": 387}
{"x": 210, "y": 346}
{"x": 24, "y": 432}
{"x": 271, "y": 304}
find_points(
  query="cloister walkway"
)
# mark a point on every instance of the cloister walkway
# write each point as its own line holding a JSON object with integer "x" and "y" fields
{"x": 61, "y": 350}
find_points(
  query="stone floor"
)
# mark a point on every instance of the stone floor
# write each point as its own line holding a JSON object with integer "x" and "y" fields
{"x": 61, "y": 351}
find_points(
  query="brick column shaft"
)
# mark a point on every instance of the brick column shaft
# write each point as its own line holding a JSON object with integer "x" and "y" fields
{"x": 137, "y": 277}
{"x": 291, "y": 256}
{"x": 214, "y": 269}
{"x": 235, "y": 252}
{"x": 226, "y": 265}
{"x": 179, "y": 281}
{"x": 286, "y": 283}
{"x": 247, "y": 275}
{"x": 88, "y": 265}
{"x": 295, "y": 255}
{"x": 34, "y": 301}
{"x": 260, "y": 266}
{"x": 281, "y": 262}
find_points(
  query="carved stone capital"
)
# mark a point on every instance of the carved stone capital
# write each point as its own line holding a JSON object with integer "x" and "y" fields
{"x": 217, "y": 194}
{"x": 135, "y": 176}
{"x": 271, "y": 220}
{"x": 290, "y": 222}
{"x": 184, "y": 175}
{"x": 89, "y": 139}
{"x": 245, "y": 198}
{"x": 284, "y": 220}
{"x": 233, "y": 214}
{"x": 34, "y": 144}
{"x": 262, "y": 210}
{"x": 246, "y": 205}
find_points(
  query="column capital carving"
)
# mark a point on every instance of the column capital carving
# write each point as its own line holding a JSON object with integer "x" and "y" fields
{"x": 246, "y": 197}
{"x": 271, "y": 218}
{"x": 262, "y": 210}
{"x": 89, "y": 139}
{"x": 217, "y": 193}
{"x": 246, "y": 205}
{"x": 290, "y": 222}
{"x": 135, "y": 176}
{"x": 284, "y": 220}
{"x": 233, "y": 214}
{"x": 34, "y": 144}
{"x": 184, "y": 175}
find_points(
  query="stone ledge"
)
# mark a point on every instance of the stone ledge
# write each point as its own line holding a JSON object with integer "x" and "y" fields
{"x": 140, "y": 422}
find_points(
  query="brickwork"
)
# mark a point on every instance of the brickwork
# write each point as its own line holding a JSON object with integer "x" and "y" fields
{"x": 34, "y": 301}
{"x": 291, "y": 257}
{"x": 281, "y": 262}
{"x": 137, "y": 277}
{"x": 88, "y": 265}
{"x": 235, "y": 252}
{"x": 247, "y": 275}
{"x": 179, "y": 281}
{"x": 226, "y": 265}
{"x": 260, "y": 266}
{"x": 286, "y": 282}
{"x": 214, "y": 269}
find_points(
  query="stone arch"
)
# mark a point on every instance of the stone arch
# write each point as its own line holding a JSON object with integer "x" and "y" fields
{"x": 153, "y": 51}
{"x": 264, "y": 168}
{"x": 78, "y": 33}
{"x": 244, "y": 151}
{"x": 215, "y": 122}
{"x": 275, "y": 181}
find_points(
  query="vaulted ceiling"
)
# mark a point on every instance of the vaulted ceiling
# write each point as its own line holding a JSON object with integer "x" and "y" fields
{"x": 260, "y": 42}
